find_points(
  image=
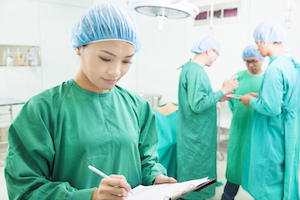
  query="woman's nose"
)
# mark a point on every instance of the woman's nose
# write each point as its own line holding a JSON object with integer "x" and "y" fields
{"x": 114, "y": 71}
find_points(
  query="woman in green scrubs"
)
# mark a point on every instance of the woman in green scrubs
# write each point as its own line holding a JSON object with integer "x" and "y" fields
{"x": 88, "y": 120}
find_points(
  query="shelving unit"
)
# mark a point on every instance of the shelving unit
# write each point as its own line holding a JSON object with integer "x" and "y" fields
{"x": 6, "y": 118}
{"x": 222, "y": 135}
{"x": 20, "y": 56}
{"x": 153, "y": 99}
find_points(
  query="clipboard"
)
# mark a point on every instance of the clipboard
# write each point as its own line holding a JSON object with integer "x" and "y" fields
{"x": 192, "y": 188}
{"x": 235, "y": 96}
{"x": 169, "y": 191}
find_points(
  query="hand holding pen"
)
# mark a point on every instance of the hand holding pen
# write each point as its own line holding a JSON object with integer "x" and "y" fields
{"x": 111, "y": 187}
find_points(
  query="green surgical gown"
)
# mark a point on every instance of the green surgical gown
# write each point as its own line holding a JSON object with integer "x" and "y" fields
{"x": 196, "y": 128}
{"x": 61, "y": 131}
{"x": 166, "y": 147}
{"x": 272, "y": 156}
{"x": 239, "y": 128}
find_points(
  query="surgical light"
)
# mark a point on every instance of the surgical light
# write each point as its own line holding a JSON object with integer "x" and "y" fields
{"x": 164, "y": 9}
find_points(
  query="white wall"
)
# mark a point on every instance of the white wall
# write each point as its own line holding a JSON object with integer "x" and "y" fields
{"x": 19, "y": 27}
{"x": 44, "y": 23}
{"x": 59, "y": 61}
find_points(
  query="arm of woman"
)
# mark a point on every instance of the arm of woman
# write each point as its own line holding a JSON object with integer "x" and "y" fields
{"x": 148, "y": 146}
{"x": 30, "y": 158}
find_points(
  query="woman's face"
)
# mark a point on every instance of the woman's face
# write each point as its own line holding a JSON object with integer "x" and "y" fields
{"x": 103, "y": 64}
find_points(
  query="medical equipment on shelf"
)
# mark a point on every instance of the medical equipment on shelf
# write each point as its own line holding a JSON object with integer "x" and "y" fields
{"x": 9, "y": 59}
{"x": 19, "y": 55}
{"x": 164, "y": 9}
{"x": 152, "y": 99}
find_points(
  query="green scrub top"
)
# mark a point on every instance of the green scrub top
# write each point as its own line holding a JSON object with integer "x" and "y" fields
{"x": 196, "y": 128}
{"x": 166, "y": 147}
{"x": 272, "y": 156}
{"x": 61, "y": 131}
{"x": 239, "y": 129}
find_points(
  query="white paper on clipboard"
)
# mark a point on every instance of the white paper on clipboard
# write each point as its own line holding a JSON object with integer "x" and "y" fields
{"x": 164, "y": 191}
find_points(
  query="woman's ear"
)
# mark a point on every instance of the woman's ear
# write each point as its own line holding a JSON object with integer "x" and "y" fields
{"x": 78, "y": 50}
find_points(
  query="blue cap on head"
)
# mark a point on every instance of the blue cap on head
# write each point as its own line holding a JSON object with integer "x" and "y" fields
{"x": 252, "y": 50}
{"x": 269, "y": 32}
{"x": 104, "y": 22}
{"x": 203, "y": 44}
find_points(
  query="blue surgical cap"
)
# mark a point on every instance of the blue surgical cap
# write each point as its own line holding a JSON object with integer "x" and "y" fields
{"x": 105, "y": 22}
{"x": 252, "y": 50}
{"x": 204, "y": 44}
{"x": 269, "y": 32}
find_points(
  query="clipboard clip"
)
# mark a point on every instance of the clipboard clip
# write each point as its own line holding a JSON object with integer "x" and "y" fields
{"x": 178, "y": 194}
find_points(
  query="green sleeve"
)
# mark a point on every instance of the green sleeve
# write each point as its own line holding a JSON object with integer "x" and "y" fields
{"x": 231, "y": 105}
{"x": 200, "y": 96}
{"x": 148, "y": 147}
{"x": 30, "y": 157}
{"x": 270, "y": 98}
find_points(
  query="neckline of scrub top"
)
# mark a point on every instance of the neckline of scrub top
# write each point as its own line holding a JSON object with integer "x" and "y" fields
{"x": 287, "y": 54}
{"x": 260, "y": 74}
{"x": 195, "y": 63}
{"x": 163, "y": 106}
{"x": 166, "y": 104}
{"x": 92, "y": 93}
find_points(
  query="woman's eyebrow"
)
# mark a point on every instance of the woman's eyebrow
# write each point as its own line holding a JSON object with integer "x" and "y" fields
{"x": 129, "y": 56}
{"x": 108, "y": 52}
{"x": 114, "y": 54}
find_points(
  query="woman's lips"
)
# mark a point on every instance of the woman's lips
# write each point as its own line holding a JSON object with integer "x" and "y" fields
{"x": 110, "y": 81}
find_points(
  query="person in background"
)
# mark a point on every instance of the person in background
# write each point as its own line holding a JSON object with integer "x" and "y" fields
{"x": 197, "y": 117}
{"x": 88, "y": 120}
{"x": 272, "y": 155}
{"x": 166, "y": 123}
{"x": 249, "y": 81}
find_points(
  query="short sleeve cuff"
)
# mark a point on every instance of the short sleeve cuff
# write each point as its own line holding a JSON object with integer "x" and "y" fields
{"x": 159, "y": 169}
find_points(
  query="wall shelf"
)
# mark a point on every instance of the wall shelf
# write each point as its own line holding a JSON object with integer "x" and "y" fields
{"x": 19, "y": 55}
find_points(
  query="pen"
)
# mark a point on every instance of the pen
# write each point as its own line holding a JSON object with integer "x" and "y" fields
{"x": 98, "y": 171}
{"x": 93, "y": 169}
